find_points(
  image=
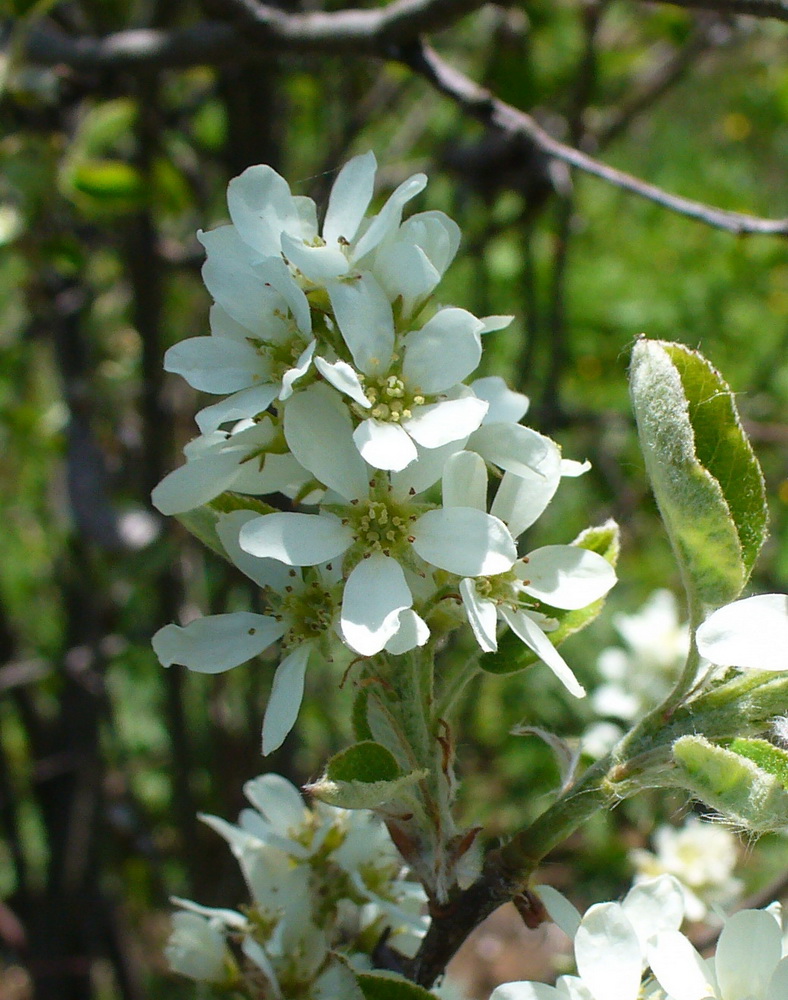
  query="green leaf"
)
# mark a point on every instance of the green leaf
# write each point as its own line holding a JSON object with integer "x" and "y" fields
{"x": 359, "y": 716}
{"x": 366, "y": 761}
{"x": 732, "y": 783}
{"x": 512, "y": 655}
{"x": 390, "y": 986}
{"x": 365, "y": 776}
{"x": 705, "y": 477}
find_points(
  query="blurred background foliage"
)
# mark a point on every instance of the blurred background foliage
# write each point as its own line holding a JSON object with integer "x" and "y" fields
{"x": 106, "y": 174}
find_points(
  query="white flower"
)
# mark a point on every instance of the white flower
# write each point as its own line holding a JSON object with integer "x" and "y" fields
{"x": 637, "y": 677}
{"x": 748, "y": 964}
{"x": 560, "y": 576}
{"x": 303, "y": 614}
{"x": 196, "y": 948}
{"x": 408, "y": 391}
{"x": 750, "y": 634}
{"x": 702, "y": 857}
{"x": 610, "y": 944}
{"x": 375, "y": 525}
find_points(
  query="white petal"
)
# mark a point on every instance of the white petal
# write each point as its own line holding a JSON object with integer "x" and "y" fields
{"x": 437, "y": 424}
{"x": 465, "y": 541}
{"x": 388, "y": 218}
{"x": 319, "y": 431}
{"x": 365, "y": 320}
{"x": 350, "y": 196}
{"x": 506, "y": 406}
{"x": 285, "y": 700}
{"x": 679, "y": 969}
{"x": 241, "y": 405}
{"x": 384, "y": 446}
{"x": 526, "y": 991}
{"x": 232, "y": 280}
{"x": 343, "y": 377}
{"x": 261, "y": 207}
{"x": 778, "y": 986}
{"x": 517, "y": 449}
{"x": 300, "y": 369}
{"x": 412, "y": 631}
{"x": 217, "y": 643}
{"x": 748, "y": 951}
{"x": 563, "y": 913}
{"x": 654, "y": 905}
{"x": 750, "y": 633}
{"x": 428, "y": 469}
{"x": 482, "y": 615}
{"x": 278, "y": 801}
{"x": 492, "y": 323}
{"x": 318, "y": 264}
{"x": 265, "y": 572}
{"x": 405, "y": 272}
{"x": 375, "y": 593}
{"x": 521, "y": 500}
{"x": 196, "y": 482}
{"x": 526, "y": 628}
{"x": 566, "y": 576}
{"x": 276, "y": 274}
{"x": 607, "y": 952}
{"x": 572, "y": 469}
{"x": 215, "y": 364}
{"x": 465, "y": 481}
{"x": 296, "y": 539}
{"x": 444, "y": 352}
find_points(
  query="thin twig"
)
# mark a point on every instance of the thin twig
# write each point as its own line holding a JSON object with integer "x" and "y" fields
{"x": 494, "y": 113}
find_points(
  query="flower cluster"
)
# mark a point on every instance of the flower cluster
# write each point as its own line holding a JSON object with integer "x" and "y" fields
{"x": 345, "y": 388}
{"x": 634, "y": 950}
{"x": 325, "y": 885}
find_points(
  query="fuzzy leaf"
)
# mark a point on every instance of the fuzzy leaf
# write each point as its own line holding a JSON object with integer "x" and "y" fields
{"x": 704, "y": 475}
{"x": 731, "y": 783}
{"x": 512, "y": 655}
{"x": 365, "y": 776}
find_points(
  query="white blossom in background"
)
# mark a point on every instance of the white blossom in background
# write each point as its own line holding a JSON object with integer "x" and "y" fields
{"x": 702, "y": 856}
{"x": 611, "y": 943}
{"x": 321, "y": 880}
{"x": 639, "y": 675}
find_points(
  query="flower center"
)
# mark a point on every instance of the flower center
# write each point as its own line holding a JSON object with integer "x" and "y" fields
{"x": 392, "y": 400}
{"x": 308, "y": 610}
{"x": 281, "y": 355}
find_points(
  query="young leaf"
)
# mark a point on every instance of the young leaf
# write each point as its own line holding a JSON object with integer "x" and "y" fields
{"x": 512, "y": 655}
{"x": 365, "y": 776}
{"x": 706, "y": 480}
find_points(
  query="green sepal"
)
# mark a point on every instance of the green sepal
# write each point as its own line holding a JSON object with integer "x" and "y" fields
{"x": 512, "y": 655}
{"x": 703, "y": 472}
{"x": 732, "y": 783}
{"x": 365, "y": 776}
{"x": 201, "y": 522}
{"x": 390, "y": 986}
